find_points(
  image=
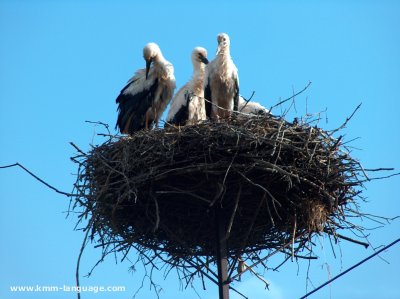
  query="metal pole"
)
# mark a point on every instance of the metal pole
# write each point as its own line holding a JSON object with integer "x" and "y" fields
{"x": 222, "y": 257}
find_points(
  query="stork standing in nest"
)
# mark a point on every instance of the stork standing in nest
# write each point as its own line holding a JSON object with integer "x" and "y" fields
{"x": 222, "y": 82}
{"x": 143, "y": 100}
{"x": 188, "y": 107}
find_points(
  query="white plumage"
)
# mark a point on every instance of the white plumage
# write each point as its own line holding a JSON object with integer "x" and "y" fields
{"x": 143, "y": 100}
{"x": 187, "y": 106}
{"x": 251, "y": 108}
{"x": 222, "y": 82}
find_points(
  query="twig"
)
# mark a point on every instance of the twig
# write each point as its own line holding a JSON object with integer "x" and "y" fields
{"x": 37, "y": 178}
{"x": 289, "y": 98}
{"x": 346, "y": 238}
{"x": 157, "y": 212}
{"x": 79, "y": 259}
{"x": 100, "y": 123}
{"x": 77, "y": 148}
{"x": 247, "y": 100}
{"x": 346, "y": 121}
{"x": 228, "y": 231}
{"x": 380, "y": 177}
{"x": 378, "y": 169}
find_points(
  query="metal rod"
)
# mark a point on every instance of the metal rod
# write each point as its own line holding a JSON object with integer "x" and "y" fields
{"x": 222, "y": 256}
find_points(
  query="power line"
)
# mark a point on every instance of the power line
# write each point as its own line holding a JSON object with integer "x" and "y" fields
{"x": 351, "y": 268}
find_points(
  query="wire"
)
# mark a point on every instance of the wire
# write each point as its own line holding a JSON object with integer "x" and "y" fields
{"x": 351, "y": 268}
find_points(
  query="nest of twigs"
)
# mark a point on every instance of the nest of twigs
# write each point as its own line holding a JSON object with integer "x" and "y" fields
{"x": 270, "y": 181}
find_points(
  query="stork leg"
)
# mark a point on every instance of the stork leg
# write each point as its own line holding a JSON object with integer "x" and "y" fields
{"x": 156, "y": 118}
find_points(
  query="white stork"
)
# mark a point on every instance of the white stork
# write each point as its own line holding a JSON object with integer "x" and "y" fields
{"x": 222, "y": 82}
{"x": 250, "y": 108}
{"x": 143, "y": 100}
{"x": 188, "y": 107}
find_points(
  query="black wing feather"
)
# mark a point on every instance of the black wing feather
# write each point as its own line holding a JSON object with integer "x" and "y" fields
{"x": 182, "y": 115}
{"x": 132, "y": 108}
{"x": 236, "y": 97}
{"x": 207, "y": 96}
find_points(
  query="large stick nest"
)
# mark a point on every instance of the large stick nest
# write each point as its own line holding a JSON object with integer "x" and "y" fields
{"x": 269, "y": 179}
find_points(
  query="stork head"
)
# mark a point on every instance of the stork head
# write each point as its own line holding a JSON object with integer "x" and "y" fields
{"x": 199, "y": 57}
{"x": 150, "y": 51}
{"x": 223, "y": 42}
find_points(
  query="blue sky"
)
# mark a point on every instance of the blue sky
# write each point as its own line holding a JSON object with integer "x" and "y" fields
{"x": 64, "y": 62}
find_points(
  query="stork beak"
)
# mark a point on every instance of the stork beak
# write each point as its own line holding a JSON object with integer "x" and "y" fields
{"x": 204, "y": 60}
{"x": 148, "y": 62}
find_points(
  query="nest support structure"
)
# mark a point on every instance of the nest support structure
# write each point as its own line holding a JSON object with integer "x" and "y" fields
{"x": 248, "y": 185}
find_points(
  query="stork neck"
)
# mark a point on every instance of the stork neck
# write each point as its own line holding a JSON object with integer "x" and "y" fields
{"x": 163, "y": 68}
{"x": 224, "y": 53}
{"x": 159, "y": 59}
{"x": 198, "y": 81}
{"x": 224, "y": 59}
